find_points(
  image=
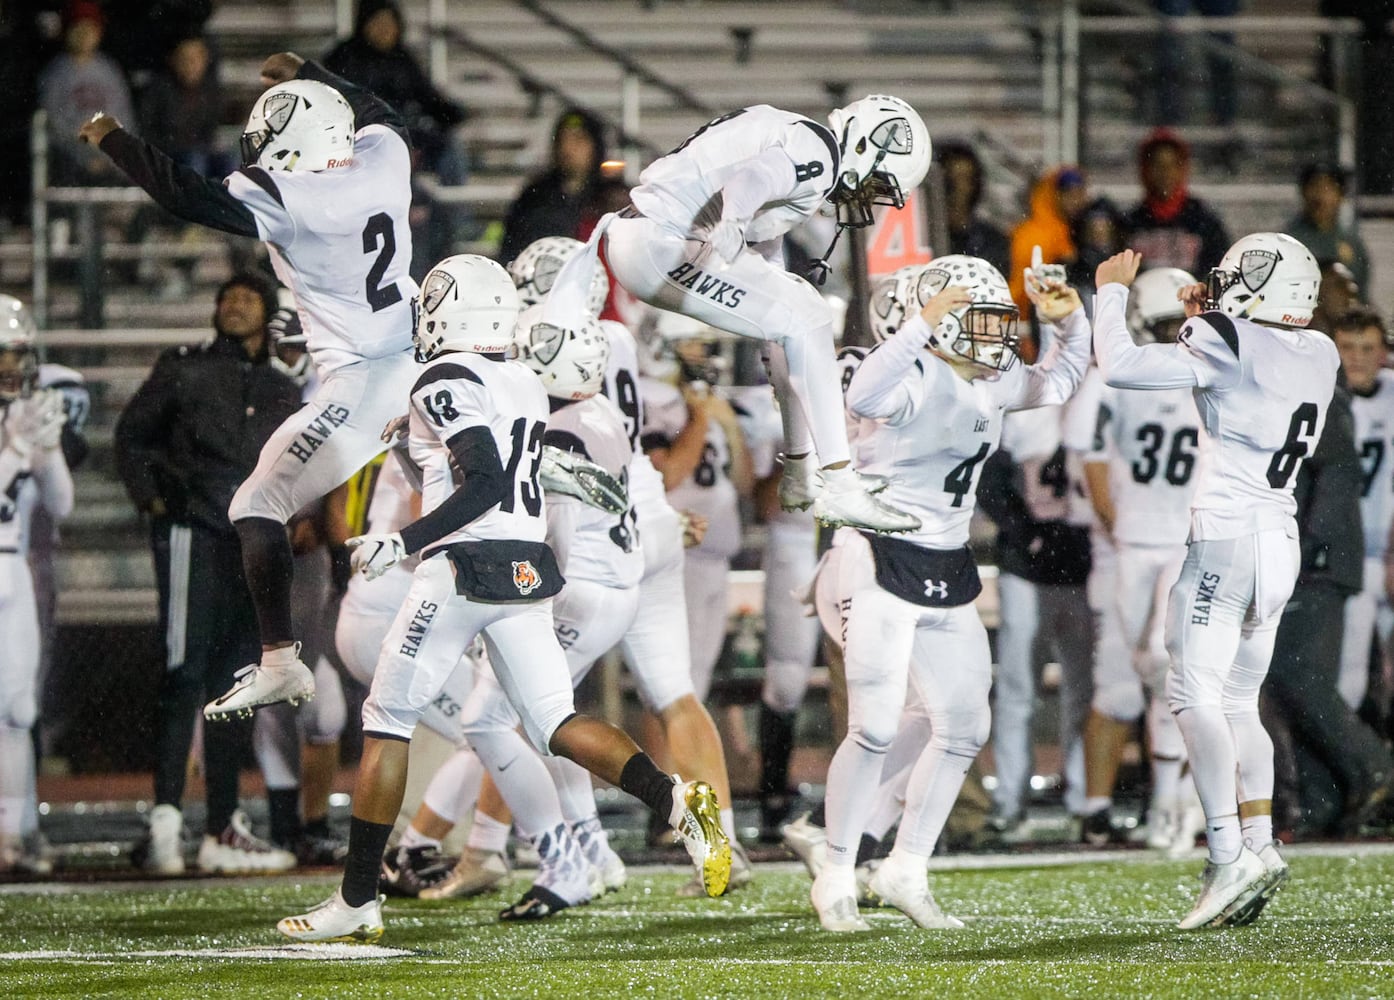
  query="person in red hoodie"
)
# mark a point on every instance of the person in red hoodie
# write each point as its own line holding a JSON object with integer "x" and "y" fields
{"x": 1169, "y": 227}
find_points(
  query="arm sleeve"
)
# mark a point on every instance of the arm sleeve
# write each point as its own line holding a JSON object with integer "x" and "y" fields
{"x": 1126, "y": 365}
{"x": 879, "y": 390}
{"x": 1000, "y": 499}
{"x": 55, "y": 483}
{"x": 755, "y": 182}
{"x": 368, "y": 109}
{"x": 142, "y": 434}
{"x": 182, "y": 191}
{"x": 484, "y": 484}
{"x": 1055, "y": 377}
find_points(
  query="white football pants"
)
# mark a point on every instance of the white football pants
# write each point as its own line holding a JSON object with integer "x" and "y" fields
{"x": 1368, "y": 616}
{"x": 656, "y": 647}
{"x": 791, "y": 636}
{"x": 704, "y": 583}
{"x": 750, "y": 297}
{"x": 19, "y": 674}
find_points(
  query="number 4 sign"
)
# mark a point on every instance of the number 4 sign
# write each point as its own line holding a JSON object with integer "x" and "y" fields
{"x": 899, "y": 237}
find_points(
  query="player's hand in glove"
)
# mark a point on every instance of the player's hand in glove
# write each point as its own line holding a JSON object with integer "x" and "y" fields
{"x": 568, "y": 473}
{"x": 727, "y": 239}
{"x": 396, "y": 429}
{"x": 35, "y": 423}
{"x": 284, "y": 323}
{"x": 374, "y": 554}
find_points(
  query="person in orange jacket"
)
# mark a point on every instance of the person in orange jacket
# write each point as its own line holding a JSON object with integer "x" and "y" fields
{"x": 1057, "y": 198}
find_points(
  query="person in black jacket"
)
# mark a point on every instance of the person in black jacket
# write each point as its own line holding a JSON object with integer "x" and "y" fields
{"x": 554, "y": 202}
{"x": 375, "y": 58}
{"x": 184, "y": 444}
{"x": 1170, "y": 227}
{"x": 1332, "y": 768}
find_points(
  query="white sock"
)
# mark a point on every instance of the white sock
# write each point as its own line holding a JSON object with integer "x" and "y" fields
{"x": 575, "y": 789}
{"x": 454, "y": 788}
{"x": 412, "y": 837}
{"x": 282, "y": 657}
{"x": 1210, "y": 748}
{"x": 1223, "y": 838}
{"x": 488, "y": 834}
{"x": 16, "y": 765}
{"x": 1258, "y": 831}
{"x": 1097, "y": 803}
{"x": 853, "y": 778}
{"x": 521, "y": 778}
{"x": 929, "y": 798}
{"x": 728, "y": 823}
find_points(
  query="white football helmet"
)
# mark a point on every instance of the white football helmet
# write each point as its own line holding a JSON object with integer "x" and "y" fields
{"x": 19, "y": 350}
{"x": 1268, "y": 278}
{"x": 570, "y": 362}
{"x": 467, "y": 303}
{"x": 983, "y": 332}
{"x": 299, "y": 125}
{"x": 884, "y": 154}
{"x": 535, "y": 270}
{"x": 1154, "y": 311}
{"x": 891, "y": 301}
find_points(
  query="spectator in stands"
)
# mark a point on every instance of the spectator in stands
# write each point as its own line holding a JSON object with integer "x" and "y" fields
{"x": 554, "y": 203}
{"x": 1169, "y": 227}
{"x": 184, "y": 444}
{"x": 181, "y": 109}
{"x": 1319, "y": 225}
{"x": 375, "y": 59}
{"x": 78, "y": 83}
{"x": 1098, "y": 235}
{"x": 1342, "y": 770}
{"x": 1173, "y": 72}
{"x": 969, "y": 233}
{"x": 141, "y": 38}
{"x": 1337, "y": 295}
{"x": 1057, "y": 199}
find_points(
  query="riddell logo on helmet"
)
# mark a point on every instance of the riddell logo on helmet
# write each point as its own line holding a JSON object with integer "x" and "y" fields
{"x": 1296, "y": 320}
{"x": 340, "y": 163}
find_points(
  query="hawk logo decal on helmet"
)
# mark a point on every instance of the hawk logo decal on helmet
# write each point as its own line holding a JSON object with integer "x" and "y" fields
{"x": 438, "y": 286}
{"x": 894, "y": 136}
{"x": 278, "y": 109}
{"x": 1256, "y": 267}
{"x": 525, "y": 577}
{"x": 931, "y": 283}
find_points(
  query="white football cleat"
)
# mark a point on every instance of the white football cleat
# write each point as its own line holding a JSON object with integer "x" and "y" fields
{"x": 847, "y": 501}
{"x": 477, "y": 871}
{"x": 335, "y": 920}
{"x": 902, "y": 881}
{"x": 1228, "y": 888}
{"x": 605, "y": 863}
{"x": 808, "y": 841}
{"x": 280, "y": 676}
{"x": 238, "y": 851}
{"x": 563, "y": 880}
{"x": 834, "y": 897}
{"x": 1275, "y": 873}
{"x": 696, "y": 817}
{"x": 164, "y": 852}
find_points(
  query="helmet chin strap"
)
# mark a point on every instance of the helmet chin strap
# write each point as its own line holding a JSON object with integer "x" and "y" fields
{"x": 817, "y": 272}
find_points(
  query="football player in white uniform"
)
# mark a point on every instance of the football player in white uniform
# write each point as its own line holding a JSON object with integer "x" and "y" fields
{"x": 703, "y": 237}
{"x": 326, "y": 183}
{"x": 33, "y": 474}
{"x": 1262, "y": 385}
{"x": 485, "y": 569}
{"x": 937, "y": 391}
{"x": 1141, "y": 481}
{"x": 1363, "y": 343}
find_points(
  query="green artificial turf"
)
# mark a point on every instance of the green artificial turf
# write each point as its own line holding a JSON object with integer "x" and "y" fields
{"x": 1100, "y": 928}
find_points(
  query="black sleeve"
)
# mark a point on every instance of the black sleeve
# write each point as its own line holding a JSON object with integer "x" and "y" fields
{"x": 484, "y": 485}
{"x": 142, "y": 433}
{"x": 368, "y": 109}
{"x": 182, "y": 191}
{"x": 1000, "y": 499}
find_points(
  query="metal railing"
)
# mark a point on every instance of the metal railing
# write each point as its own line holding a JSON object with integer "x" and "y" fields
{"x": 1063, "y": 54}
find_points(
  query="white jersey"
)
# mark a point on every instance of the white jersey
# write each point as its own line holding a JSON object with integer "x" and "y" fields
{"x": 682, "y": 191}
{"x": 590, "y": 543}
{"x": 1151, "y": 442}
{"x": 709, "y": 491}
{"x": 340, "y": 240}
{"x": 1374, "y": 437}
{"x": 622, "y": 387}
{"x": 1262, "y": 393}
{"x": 934, "y": 430}
{"x": 457, "y": 392}
{"x": 41, "y": 479}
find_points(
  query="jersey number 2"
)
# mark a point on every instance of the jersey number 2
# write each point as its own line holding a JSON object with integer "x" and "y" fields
{"x": 379, "y": 238}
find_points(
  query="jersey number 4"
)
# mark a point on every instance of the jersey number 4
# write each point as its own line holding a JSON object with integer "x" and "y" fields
{"x": 960, "y": 479}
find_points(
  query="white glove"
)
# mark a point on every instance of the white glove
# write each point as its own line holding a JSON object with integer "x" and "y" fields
{"x": 727, "y": 238}
{"x": 396, "y": 430}
{"x": 570, "y": 474}
{"x": 35, "y": 423}
{"x": 373, "y": 555}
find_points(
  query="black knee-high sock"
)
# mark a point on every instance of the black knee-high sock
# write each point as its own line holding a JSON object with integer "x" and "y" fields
{"x": 776, "y": 747}
{"x": 642, "y": 779}
{"x": 367, "y": 841}
{"x": 269, "y": 565}
{"x": 283, "y": 804}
